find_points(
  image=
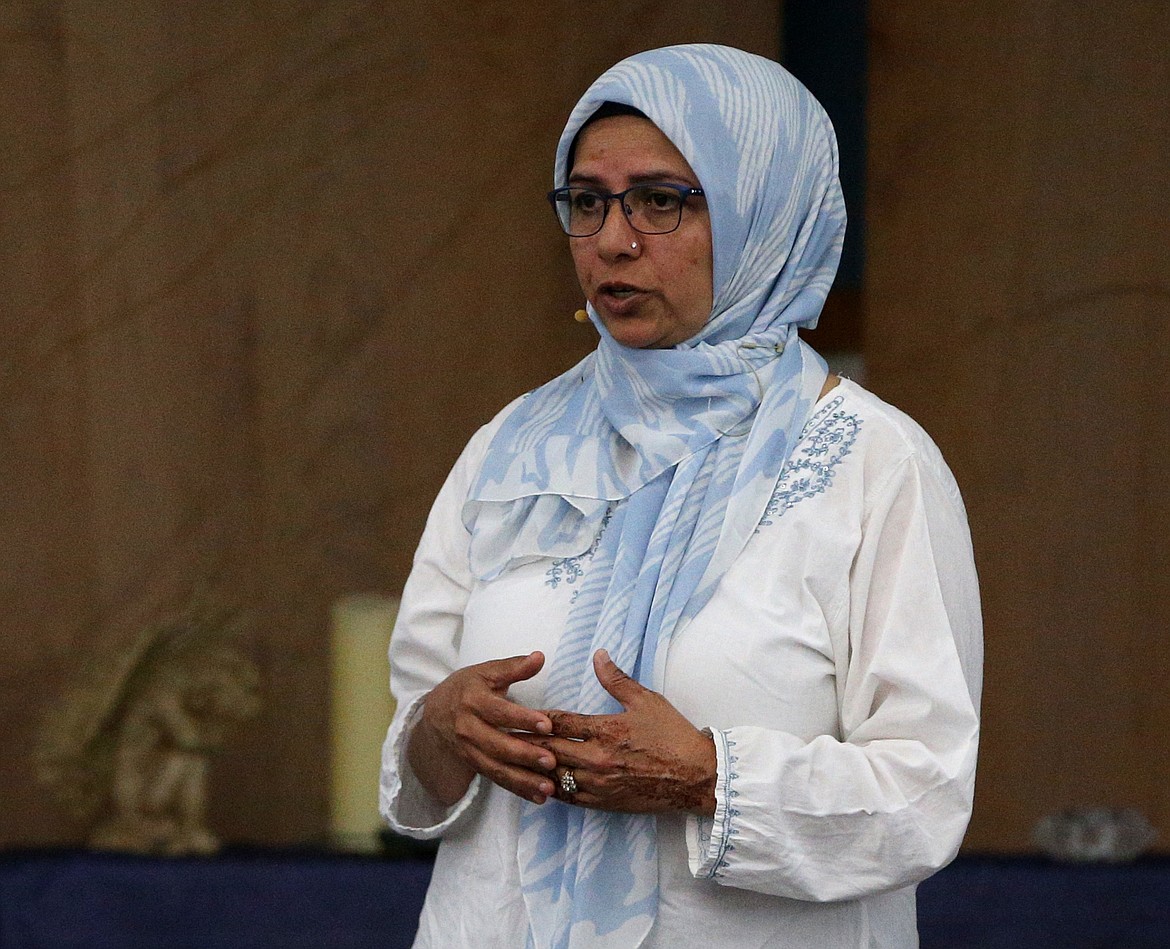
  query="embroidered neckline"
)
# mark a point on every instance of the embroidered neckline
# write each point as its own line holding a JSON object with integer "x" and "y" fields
{"x": 824, "y": 442}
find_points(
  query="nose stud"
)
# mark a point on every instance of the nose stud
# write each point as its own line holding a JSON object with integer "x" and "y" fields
{"x": 634, "y": 245}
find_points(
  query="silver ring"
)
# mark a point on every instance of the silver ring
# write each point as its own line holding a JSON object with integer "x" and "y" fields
{"x": 568, "y": 782}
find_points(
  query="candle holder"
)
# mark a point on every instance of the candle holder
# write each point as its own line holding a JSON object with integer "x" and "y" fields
{"x": 361, "y": 708}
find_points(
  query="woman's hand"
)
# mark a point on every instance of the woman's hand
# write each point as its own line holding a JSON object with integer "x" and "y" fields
{"x": 647, "y": 759}
{"x": 467, "y": 727}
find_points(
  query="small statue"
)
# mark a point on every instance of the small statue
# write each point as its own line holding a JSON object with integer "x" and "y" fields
{"x": 140, "y": 775}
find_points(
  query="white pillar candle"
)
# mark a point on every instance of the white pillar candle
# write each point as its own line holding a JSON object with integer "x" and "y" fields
{"x": 360, "y": 713}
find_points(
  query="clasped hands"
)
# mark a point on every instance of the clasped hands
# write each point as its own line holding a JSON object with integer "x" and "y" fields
{"x": 646, "y": 759}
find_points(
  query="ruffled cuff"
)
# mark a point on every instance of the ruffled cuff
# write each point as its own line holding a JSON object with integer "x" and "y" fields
{"x": 709, "y": 839}
{"x": 405, "y": 804}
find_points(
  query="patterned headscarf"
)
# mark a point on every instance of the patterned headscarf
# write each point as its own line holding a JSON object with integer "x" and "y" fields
{"x": 671, "y": 455}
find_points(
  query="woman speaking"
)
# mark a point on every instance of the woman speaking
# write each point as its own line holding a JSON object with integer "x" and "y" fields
{"x": 690, "y": 653}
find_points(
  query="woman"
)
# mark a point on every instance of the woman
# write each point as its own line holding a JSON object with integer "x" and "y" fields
{"x": 758, "y": 717}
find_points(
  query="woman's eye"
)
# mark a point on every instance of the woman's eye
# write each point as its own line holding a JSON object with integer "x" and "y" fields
{"x": 586, "y": 202}
{"x": 658, "y": 199}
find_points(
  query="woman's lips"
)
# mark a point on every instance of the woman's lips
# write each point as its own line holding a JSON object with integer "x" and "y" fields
{"x": 620, "y": 299}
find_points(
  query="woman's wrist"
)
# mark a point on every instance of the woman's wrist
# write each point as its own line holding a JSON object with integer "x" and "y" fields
{"x": 444, "y": 775}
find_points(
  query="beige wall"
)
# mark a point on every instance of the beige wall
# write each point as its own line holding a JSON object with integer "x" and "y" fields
{"x": 265, "y": 266}
{"x": 1018, "y": 305}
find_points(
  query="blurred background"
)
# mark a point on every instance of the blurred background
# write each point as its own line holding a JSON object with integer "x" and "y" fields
{"x": 265, "y": 266}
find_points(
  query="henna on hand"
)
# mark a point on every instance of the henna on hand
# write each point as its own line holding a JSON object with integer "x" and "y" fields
{"x": 647, "y": 759}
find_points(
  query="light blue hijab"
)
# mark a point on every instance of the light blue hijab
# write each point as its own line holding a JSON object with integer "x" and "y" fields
{"x": 669, "y": 455}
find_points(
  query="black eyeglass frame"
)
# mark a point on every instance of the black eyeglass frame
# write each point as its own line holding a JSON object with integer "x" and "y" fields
{"x": 684, "y": 192}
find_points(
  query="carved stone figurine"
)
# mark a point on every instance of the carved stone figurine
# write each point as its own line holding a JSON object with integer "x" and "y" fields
{"x": 140, "y": 778}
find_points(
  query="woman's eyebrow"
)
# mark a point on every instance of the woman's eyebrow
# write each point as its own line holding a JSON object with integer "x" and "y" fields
{"x": 589, "y": 180}
{"x": 643, "y": 177}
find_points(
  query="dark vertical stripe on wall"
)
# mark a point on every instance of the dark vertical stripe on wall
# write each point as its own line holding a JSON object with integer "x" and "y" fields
{"x": 824, "y": 46}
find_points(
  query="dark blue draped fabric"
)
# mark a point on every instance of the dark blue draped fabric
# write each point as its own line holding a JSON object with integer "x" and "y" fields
{"x": 248, "y": 901}
{"x": 319, "y": 901}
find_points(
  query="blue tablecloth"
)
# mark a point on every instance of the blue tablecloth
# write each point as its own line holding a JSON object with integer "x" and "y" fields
{"x": 1033, "y": 903}
{"x": 323, "y": 901}
{"x": 233, "y": 901}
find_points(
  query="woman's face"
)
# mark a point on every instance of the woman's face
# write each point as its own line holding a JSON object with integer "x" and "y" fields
{"x": 650, "y": 290}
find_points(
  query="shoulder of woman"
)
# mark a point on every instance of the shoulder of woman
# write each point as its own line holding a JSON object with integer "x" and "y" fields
{"x": 545, "y": 398}
{"x": 888, "y": 435}
{"x": 477, "y": 446}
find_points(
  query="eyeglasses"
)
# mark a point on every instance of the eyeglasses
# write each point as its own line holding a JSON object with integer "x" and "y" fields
{"x": 650, "y": 209}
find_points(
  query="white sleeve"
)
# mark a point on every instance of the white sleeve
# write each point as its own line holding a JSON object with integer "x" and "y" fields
{"x": 886, "y": 803}
{"x": 424, "y": 648}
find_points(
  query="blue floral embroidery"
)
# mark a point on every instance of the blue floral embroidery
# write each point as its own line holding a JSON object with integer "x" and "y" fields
{"x": 825, "y": 441}
{"x": 571, "y": 569}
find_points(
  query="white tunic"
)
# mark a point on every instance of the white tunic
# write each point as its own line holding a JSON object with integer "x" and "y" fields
{"x": 838, "y": 664}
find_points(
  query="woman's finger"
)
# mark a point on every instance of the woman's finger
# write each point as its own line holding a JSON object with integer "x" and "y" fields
{"x": 535, "y": 786}
{"x": 501, "y": 673}
{"x": 573, "y": 754}
{"x": 502, "y": 713}
{"x": 583, "y": 794}
{"x": 575, "y": 725}
{"x": 626, "y": 690}
{"x": 501, "y": 746}
{"x": 512, "y": 763}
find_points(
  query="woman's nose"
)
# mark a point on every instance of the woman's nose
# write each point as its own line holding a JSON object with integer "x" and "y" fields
{"x": 617, "y": 237}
